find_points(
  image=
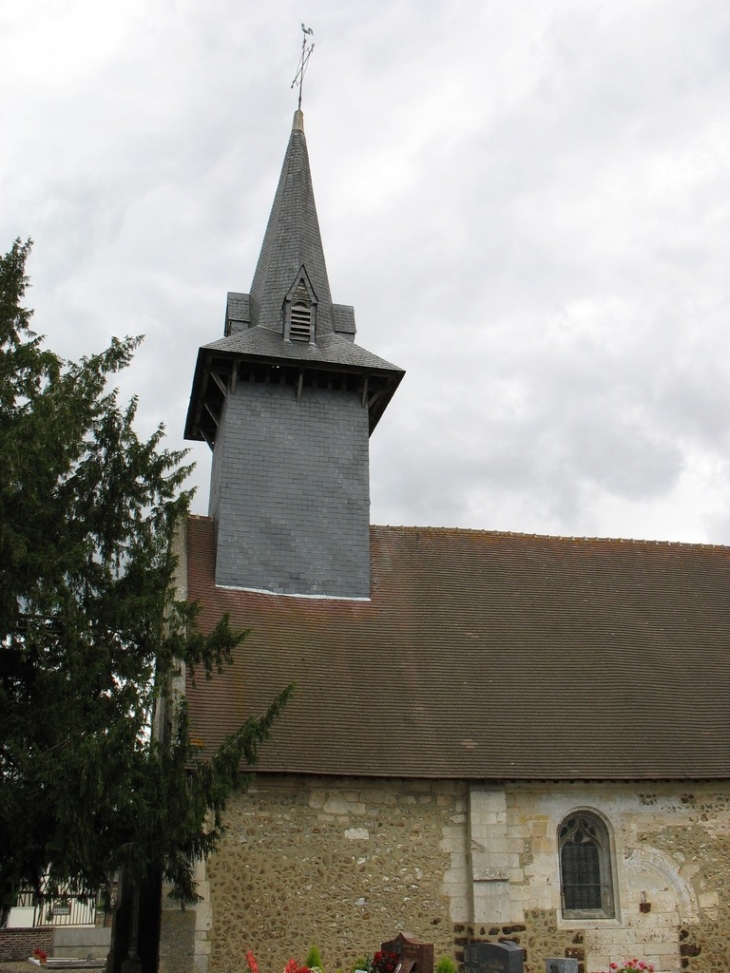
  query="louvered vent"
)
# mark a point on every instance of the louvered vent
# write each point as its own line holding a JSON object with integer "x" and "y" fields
{"x": 300, "y": 324}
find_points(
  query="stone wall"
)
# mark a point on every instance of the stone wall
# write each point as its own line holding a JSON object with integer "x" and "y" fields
{"x": 346, "y": 864}
{"x": 82, "y": 941}
{"x": 670, "y": 851}
{"x": 539, "y": 937}
{"x": 184, "y": 945}
{"x": 343, "y": 865}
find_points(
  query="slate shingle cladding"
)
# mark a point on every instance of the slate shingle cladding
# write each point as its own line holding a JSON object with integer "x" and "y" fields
{"x": 291, "y": 491}
{"x": 487, "y": 655}
{"x": 254, "y": 328}
{"x": 289, "y": 420}
{"x": 292, "y": 240}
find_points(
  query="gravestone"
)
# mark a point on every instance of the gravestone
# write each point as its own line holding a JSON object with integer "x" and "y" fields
{"x": 561, "y": 966}
{"x": 413, "y": 957}
{"x": 493, "y": 958}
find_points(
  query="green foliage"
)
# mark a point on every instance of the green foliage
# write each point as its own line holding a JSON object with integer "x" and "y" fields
{"x": 313, "y": 958}
{"x": 91, "y": 633}
{"x": 446, "y": 965}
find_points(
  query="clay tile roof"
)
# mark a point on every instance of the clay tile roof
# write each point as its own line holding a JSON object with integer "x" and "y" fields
{"x": 487, "y": 655}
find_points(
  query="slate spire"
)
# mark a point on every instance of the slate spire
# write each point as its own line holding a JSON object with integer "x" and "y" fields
{"x": 287, "y": 400}
{"x": 292, "y": 241}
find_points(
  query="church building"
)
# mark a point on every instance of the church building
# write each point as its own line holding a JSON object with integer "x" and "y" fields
{"x": 493, "y": 736}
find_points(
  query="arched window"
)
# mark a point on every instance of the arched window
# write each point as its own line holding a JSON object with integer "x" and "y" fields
{"x": 586, "y": 883}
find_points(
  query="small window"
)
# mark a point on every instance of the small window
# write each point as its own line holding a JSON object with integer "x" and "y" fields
{"x": 586, "y": 882}
{"x": 300, "y": 323}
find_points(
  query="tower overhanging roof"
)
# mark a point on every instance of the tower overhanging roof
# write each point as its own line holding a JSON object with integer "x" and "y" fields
{"x": 333, "y": 354}
{"x": 292, "y": 246}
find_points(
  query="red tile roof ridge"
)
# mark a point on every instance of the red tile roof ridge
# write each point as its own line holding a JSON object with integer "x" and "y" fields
{"x": 425, "y": 528}
{"x": 551, "y": 537}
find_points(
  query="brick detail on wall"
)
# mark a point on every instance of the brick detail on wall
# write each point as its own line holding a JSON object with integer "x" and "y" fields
{"x": 16, "y": 945}
{"x": 538, "y": 936}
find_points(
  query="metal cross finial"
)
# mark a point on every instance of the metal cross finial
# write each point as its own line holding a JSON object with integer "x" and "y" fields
{"x": 303, "y": 61}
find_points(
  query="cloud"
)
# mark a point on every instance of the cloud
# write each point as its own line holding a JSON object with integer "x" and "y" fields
{"x": 526, "y": 204}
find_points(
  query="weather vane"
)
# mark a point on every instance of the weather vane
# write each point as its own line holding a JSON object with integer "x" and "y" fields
{"x": 303, "y": 61}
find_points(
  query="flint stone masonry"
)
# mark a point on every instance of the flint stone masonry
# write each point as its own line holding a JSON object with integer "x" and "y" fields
{"x": 289, "y": 873}
{"x": 296, "y": 867}
{"x": 290, "y": 491}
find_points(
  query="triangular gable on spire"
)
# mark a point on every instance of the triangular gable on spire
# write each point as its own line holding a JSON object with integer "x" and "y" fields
{"x": 300, "y": 310}
{"x": 288, "y": 331}
{"x": 292, "y": 242}
{"x": 302, "y": 287}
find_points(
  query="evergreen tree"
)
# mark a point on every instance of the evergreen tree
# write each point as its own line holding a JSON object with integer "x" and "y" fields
{"x": 91, "y": 632}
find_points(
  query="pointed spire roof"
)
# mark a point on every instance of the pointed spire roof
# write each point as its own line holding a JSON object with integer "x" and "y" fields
{"x": 291, "y": 257}
{"x": 292, "y": 241}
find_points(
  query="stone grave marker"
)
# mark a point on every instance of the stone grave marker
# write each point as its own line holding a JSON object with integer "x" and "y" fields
{"x": 561, "y": 965}
{"x": 493, "y": 958}
{"x": 413, "y": 957}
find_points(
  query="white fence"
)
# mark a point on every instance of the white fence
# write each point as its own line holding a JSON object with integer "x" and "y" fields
{"x": 64, "y": 909}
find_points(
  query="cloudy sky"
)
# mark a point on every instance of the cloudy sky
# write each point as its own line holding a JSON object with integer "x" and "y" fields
{"x": 527, "y": 203}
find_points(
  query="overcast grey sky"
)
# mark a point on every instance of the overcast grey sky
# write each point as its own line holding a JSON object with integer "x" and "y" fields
{"x": 526, "y": 202}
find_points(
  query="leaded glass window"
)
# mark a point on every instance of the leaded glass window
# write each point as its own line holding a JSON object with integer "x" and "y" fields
{"x": 585, "y": 867}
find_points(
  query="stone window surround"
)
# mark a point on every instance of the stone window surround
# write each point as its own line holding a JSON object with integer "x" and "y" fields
{"x": 609, "y": 914}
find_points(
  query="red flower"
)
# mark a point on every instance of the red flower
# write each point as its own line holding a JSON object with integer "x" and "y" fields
{"x": 253, "y": 966}
{"x": 384, "y": 962}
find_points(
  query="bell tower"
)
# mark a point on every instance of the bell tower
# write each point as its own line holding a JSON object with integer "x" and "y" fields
{"x": 286, "y": 400}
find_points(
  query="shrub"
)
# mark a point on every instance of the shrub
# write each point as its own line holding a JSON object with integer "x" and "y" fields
{"x": 446, "y": 965}
{"x": 314, "y": 959}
